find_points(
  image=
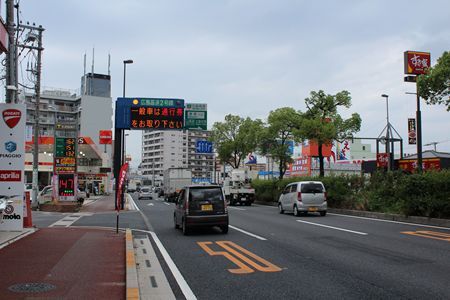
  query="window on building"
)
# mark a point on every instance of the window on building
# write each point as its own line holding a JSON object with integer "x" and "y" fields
{"x": 364, "y": 148}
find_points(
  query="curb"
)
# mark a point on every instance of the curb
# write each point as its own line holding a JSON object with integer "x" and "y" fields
{"x": 382, "y": 216}
{"x": 131, "y": 273}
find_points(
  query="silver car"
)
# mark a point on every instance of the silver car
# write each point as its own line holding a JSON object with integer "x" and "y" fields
{"x": 145, "y": 193}
{"x": 303, "y": 197}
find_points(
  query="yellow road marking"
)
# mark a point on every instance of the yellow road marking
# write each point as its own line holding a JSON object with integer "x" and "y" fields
{"x": 430, "y": 234}
{"x": 238, "y": 258}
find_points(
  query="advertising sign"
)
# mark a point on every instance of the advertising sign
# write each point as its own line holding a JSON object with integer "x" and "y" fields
{"x": 122, "y": 177}
{"x": 417, "y": 62}
{"x": 412, "y": 131}
{"x": 382, "y": 160}
{"x": 410, "y": 165}
{"x": 65, "y": 155}
{"x": 12, "y": 162}
{"x": 105, "y": 137}
{"x": 66, "y": 187}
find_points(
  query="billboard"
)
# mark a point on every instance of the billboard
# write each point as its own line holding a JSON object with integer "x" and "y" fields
{"x": 416, "y": 62}
{"x": 12, "y": 162}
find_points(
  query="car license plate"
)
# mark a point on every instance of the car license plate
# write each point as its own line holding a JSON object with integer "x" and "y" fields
{"x": 244, "y": 199}
{"x": 207, "y": 207}
{"x": 312, "y": 208}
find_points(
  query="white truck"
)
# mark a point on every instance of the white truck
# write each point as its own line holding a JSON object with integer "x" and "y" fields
{"x": 237, "y": 187}
{"x": 174, "y": 180}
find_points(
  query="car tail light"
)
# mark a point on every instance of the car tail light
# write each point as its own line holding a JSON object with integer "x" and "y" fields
{"x": 326, "y": 196}
{"x": 299, "y": 196}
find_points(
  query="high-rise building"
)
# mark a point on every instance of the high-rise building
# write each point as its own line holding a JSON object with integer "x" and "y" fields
{"x": 175, "y": 149}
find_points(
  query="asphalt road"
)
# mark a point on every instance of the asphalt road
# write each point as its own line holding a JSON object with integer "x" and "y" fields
{"x": 267, "y": 255}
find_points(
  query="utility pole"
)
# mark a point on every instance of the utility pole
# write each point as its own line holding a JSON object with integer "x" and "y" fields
{"x": 37, "y": 90}
{"x": 11, "y": 57}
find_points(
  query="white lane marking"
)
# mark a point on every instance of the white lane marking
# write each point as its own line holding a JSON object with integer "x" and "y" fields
{"x": 173, "y": 268}
{"x": 134, "y": 203}
{"x": 236, "y": 208}
{"x": 337, "y": 228}
{"x": 167, "y": 203}
{"x": 389, "y": 221}
{"x": 248, "y": 233}
{"x": 150, "y": 204}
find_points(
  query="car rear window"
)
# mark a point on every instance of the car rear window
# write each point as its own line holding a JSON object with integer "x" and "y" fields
{"x": 202, "y": 194}
{"x": 312, "y": 188}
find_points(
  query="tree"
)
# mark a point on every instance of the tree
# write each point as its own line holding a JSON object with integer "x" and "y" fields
{"x": 276, "y": 136}
{"x": 323, "y": 124}
{"x": 434, "y": 86}
{"x": 235, "y": 138}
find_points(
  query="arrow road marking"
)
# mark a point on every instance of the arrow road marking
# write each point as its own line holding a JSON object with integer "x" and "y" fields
{"x": 430, "y": 234}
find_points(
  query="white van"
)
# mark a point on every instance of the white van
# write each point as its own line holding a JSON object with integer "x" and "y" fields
{"x": 303, "y": 196}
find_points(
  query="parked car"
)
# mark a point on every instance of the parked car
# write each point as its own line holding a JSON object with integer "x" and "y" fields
{"x": 198, "y": 206}
{"x": 145, "y": 193}
{"x": 45, "y": 195}
{"x": 303, "y": 197}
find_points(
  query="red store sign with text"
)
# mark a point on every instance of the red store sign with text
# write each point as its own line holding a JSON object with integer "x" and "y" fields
{"x": 105, "y": 137}
{"x": 382, "y": 160}
{"x": 417, "y": 63}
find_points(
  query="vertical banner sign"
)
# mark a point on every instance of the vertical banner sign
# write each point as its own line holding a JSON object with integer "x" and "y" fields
{"x": 12, "y": 162}
{"x": 411, "y": 131}
{"x": 122, "y": 176}
{"x": 416, "y": 63}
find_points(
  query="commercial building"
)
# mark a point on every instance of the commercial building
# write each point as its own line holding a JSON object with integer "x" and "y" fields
{"x": 90, "y": 108}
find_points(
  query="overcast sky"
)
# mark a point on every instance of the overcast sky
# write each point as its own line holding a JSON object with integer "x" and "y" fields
{"x": 248, "y": 57}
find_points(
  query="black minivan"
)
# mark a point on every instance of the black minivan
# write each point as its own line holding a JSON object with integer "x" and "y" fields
{"x": 201, "y": 206}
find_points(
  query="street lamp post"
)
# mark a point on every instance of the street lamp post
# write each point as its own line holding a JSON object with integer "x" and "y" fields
{"x": 388, "y": 150}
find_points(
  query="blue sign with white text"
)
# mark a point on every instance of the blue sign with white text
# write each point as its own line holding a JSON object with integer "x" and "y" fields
{"x": 203, "y": 147}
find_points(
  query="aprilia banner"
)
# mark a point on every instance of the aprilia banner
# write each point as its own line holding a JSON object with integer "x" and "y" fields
{"x": 122, "y": 177}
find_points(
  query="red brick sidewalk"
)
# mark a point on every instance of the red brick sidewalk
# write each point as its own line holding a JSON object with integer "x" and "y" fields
{"x": 79, "y": 263}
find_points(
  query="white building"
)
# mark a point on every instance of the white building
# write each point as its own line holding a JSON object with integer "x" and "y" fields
{"x": 174, "y": 149}
{"x": 92, "y": 111}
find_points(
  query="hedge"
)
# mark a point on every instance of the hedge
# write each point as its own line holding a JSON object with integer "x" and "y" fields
{"x": 426, "y": 194}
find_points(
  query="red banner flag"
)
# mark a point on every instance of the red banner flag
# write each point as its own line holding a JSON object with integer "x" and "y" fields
{"x": 122, "y": 177}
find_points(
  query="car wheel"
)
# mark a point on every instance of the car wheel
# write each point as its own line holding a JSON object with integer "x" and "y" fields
{"x": 224, "y": 229}
{"x": 185, "y": 228}
{"x": 296, "y": 212}
{"x": 323, "y": 213}
{"x": 175, "y": 222}
{"x": 280, "y": 208}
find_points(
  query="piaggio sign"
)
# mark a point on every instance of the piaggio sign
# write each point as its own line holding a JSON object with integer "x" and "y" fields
{"x": 416, "y": 63}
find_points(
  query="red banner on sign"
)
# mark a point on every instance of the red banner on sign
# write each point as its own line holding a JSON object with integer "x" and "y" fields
{"x": 122, "y": 177}
{"x": 105, "y": 137}
{"x": 416, "y": 62}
